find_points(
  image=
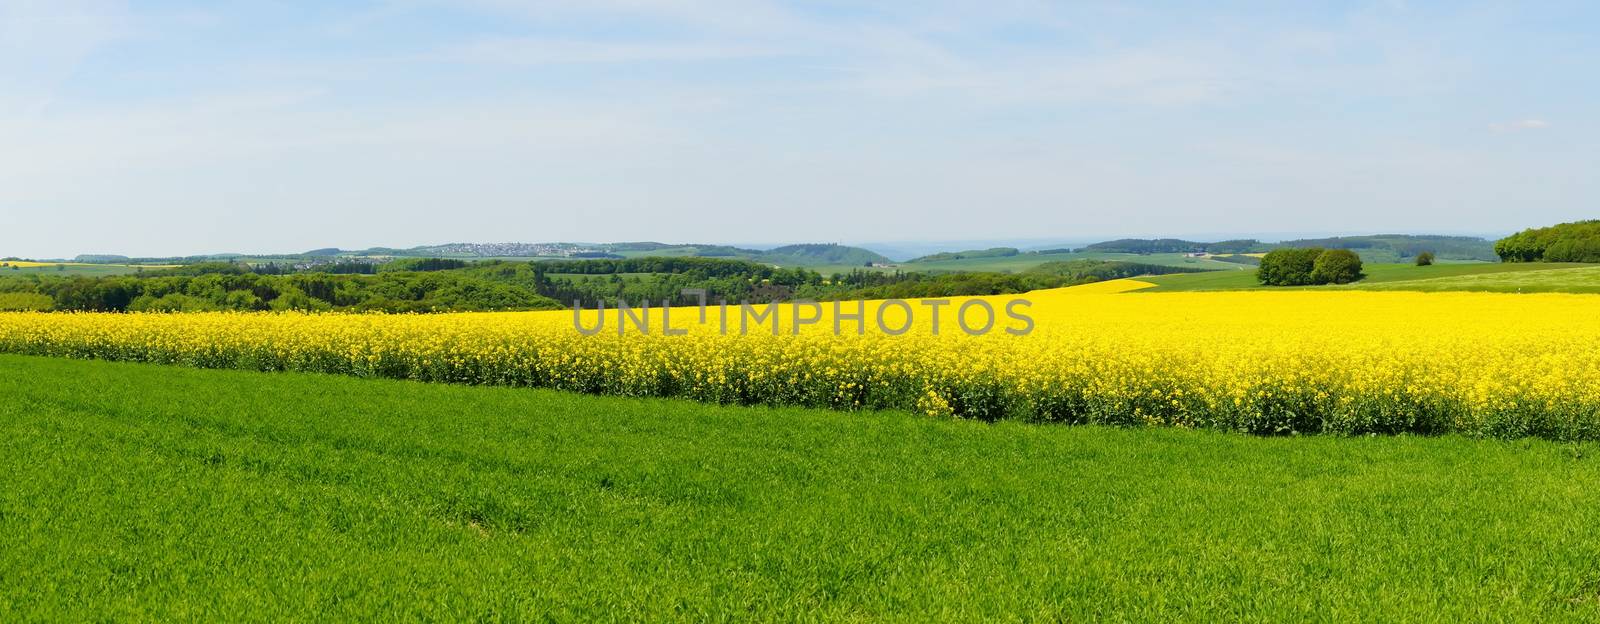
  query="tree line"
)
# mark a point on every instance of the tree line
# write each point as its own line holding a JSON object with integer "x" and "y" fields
{"x": 1578, "y": 241}
{"x": 435, "y": 285}
{"x": 246, "y": 291}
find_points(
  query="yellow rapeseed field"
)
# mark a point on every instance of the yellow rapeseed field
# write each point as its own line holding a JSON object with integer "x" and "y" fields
{"x": 1262, "y": 362}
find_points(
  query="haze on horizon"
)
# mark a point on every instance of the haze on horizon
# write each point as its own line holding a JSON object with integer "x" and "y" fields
{"x": 174, "y": 128}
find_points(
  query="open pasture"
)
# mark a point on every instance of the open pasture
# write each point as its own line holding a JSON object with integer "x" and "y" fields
{"x": 28, "y": 267}
{"x": 1470, "y": 276}
{"x": 1537, "y": 278}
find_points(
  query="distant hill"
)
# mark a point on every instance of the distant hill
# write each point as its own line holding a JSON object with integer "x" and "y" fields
{"x": 1176, "y": 245}
{"x": 489, "y": 250}
{"x": 809, "y": 255}
{"x": 1387, "y": 248}
{"x": 100, "y": 258}
{"x": 789, "y": 255}
{"x": 992, "y": 252}
{"x": 640, "y": 246}
{"x": 670, "y": 250}
{"x": 1097, "y": 270}
{"x": 1376, "y": 248}
{"x": 1403, "y": 246}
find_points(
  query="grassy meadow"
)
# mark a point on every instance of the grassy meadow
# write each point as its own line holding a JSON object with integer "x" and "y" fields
{"x": 25, "y": 267}
{"x": 1537, "y": 279}
{"x": 1444, "y": 277}
{"x": 142, "y": 492}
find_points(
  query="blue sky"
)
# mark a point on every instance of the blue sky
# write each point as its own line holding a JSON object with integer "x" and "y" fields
{"x": 175, "y": 127}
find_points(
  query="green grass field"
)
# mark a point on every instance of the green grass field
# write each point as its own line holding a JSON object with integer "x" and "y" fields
{"x": 143, "y": 492}
{"x": 84, "y": 270}
{"x": 1552, "y": 277}
{"x": 1576, "y": 279}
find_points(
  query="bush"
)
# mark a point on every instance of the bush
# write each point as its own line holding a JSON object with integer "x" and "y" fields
{"x": 291, "y": 298}
{"x": 1425, "y": 258}
{"x": 1289, "y": 266}
{"x": 11, "y": 301}
{"x": 1336, "y": 266}
{"x": 175, "y": 302}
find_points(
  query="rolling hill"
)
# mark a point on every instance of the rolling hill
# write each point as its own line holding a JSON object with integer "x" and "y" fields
{"x": 1374, "y": 248}
{"x": 802, "y": 255}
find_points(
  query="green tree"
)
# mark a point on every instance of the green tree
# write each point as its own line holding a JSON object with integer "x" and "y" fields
{"x": 1578, "y": 241}
{"x": 1336, "y": 266}
{"x": 1289, "y": 266}
{"x": 25, "y": 301}
{"x": 175, "y": 302}
{"x": 1425, "y": 258}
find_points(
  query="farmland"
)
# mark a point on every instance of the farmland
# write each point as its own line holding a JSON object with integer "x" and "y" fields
{"x": 1418, "y": 445}
{"x": 1465, "y": 276}
{"x": 1538, "y": 278}
{"x": 1260, "y": 362}
{"x": 27, "y": 267}
{"x": 141, "y": 492}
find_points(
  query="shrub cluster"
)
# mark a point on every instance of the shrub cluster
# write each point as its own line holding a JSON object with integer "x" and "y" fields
{"x": 1306, "y": 266}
